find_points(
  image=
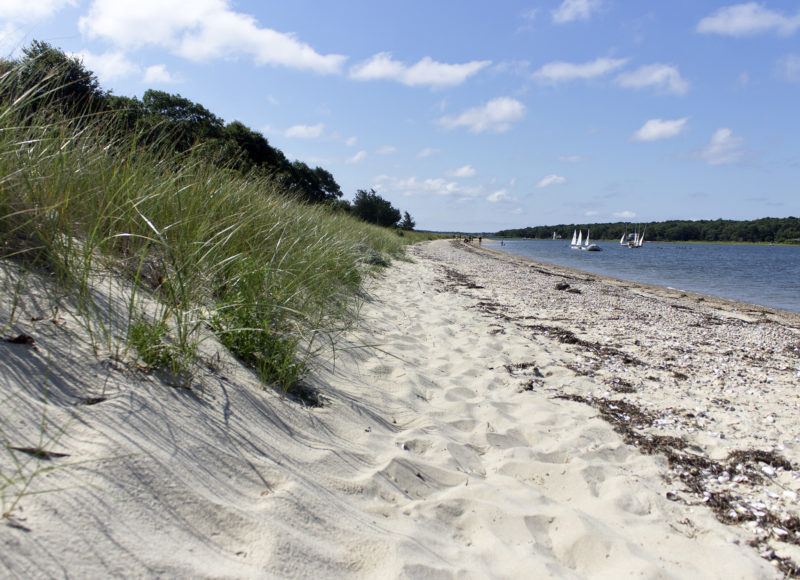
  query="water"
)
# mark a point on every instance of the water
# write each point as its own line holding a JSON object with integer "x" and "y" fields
{"x": 765, "y": 275}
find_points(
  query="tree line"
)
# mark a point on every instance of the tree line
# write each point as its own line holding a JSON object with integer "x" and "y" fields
{"x": 777, "y": 230}
{"x": 53, "y": 80}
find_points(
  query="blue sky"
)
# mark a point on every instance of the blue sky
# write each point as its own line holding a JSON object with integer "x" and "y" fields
{"x": 476, "y": 117}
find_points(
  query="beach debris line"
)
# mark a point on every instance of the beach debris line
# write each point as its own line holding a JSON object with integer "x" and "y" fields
{"x": 703, "y": 476}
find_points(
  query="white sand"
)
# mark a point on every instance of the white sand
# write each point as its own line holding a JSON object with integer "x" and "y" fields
{"x": 429, "y": 460}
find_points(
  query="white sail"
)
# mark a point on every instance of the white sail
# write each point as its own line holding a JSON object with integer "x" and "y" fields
{"x": 641, "y": 241}
{"x": 586, "y": 243}
{"x": 580, "y": 237}
{"x": 622, "y": 239}
{"x": 574, "y": 237}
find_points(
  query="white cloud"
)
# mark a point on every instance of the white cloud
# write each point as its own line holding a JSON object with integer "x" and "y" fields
{"x": 11, "y": 38}
{"x": 661, "y": 76}
{"x": 466, "y": 171}
{"x": 499, "y": 195}
{"x": 575, "y": 10}
{"x": 531, "y": 14}
{"x": 109, "y": 65}
{"x": 497, "y": 116}
{"x": 427, "y": 152}
{"x": 158, "y": 74}
{"x": 360, "y": 156}
{"x": 657, "y": 129}
{"x": 748, "y": 20}
{"x": 591, "y": 213}
{"x": 351, "y": 142}
{"x": 570, "y": 158}
{"x": 426, "y": 72}
{"x": 413, "y": 186}
{"x": 789, "y": 68}
{"x": 200, "y": 30}
{"x": 625, "y": 215}
{"x": 556, "y": 72}
{"x": 29, "y": 11}
{"x": 387, "y": 150}
{"x": 724, "y": 148}
{"x": 551, "y": 179}
{"x": 305, "y": 131}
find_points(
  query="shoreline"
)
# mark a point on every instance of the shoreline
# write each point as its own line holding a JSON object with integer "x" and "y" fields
{"x": 743, "y": 305}
{"x": 482, "y": 420}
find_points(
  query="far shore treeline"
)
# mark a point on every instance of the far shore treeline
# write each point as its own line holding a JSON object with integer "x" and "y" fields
{"x": 161, "y": 117}
{"x": 764, "y": 230}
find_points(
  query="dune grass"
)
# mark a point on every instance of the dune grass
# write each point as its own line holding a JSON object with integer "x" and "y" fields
{"x": 80, "y": 197}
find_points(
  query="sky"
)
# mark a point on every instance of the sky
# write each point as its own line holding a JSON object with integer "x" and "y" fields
{"x": 477, "y": 116}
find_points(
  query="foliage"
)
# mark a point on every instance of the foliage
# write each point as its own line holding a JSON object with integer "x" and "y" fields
{"x": 777, "y": 230}
{"x": 45, "y": 75}
{"x": 216, "y": 248}
{"x": 408, "y": 223}
{"x": 372, "y": 208}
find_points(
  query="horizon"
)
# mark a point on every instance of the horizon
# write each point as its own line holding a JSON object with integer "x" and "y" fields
{"x": 479, "y": 119}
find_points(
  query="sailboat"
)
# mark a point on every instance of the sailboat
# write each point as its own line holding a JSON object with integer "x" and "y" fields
{"x": 590, "y": 247}
{"x": 637, "y": 241}
{"x": 577, "y": 238}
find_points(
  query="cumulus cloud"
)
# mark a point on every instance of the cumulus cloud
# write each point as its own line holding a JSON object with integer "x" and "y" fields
{"x": 159, "y": 74}
{"x": 305, "y": 131}
{"x": 748, "y": 19}
{"x": 466, "y": 171}
{"x": 496, "y": 116}
{"x": 387, "y": 150}
{"x": 20, "y": 12}
{"x": 28, "y": 11}
{"x": 570, "y": 10}
{"x": 360, "y": 156}
{"x": 551, "y": 179}
{"x": 11, "y": 38}
{"x": 351, "y": 141}
{"x": 200, "y": 30}
{"x": 657, "y": 129}
{"x": 724, "y": 148}
{"x": 556, "y": 72}
{"x": 109, "y": 65}
{"x": 625, "y": 215}
{"x": 662, "y": 77}
{"x": 426, "y": 72}
{"x": 499, "y": 195}
{"x": 413, "y": 186}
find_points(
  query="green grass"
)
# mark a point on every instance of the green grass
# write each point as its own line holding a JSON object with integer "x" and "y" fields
{"x": 270, "y": 276}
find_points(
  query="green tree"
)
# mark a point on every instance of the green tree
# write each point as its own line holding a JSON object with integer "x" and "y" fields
{"x": 314, "y": 185}
{"x": 408, "y": 223}
{"x": 187, "y": 122}
{"x": 372, "y": 208}
{"x": 55, "y": 79}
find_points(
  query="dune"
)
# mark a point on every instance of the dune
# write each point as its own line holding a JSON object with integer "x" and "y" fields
{"x": 479, "y": 422}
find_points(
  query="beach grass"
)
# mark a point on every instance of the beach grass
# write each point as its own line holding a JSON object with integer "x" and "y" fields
{"x": 80, "y": 196}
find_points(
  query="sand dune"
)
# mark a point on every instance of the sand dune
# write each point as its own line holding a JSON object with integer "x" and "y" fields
{"x": 442, "y": 450}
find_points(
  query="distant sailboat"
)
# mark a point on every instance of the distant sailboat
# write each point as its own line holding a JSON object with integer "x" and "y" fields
{"x": 590, "y": 247}
{"x": 637, "y": 241}
{"x": 577, "y": 237}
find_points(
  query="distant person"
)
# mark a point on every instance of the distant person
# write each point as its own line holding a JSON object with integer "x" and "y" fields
{"x": 480, "y": 240}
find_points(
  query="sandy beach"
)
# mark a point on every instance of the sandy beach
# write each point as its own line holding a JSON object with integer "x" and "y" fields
{"x": 489, "y": 417}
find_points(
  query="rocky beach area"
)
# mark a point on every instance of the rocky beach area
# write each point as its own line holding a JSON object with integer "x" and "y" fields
{"x": 488, "y": 417}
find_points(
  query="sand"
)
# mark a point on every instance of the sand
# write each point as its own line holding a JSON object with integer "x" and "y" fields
{"x": 480, "y": 422}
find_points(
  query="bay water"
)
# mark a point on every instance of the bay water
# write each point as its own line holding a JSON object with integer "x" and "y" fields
{"x": 758, "y": 274}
